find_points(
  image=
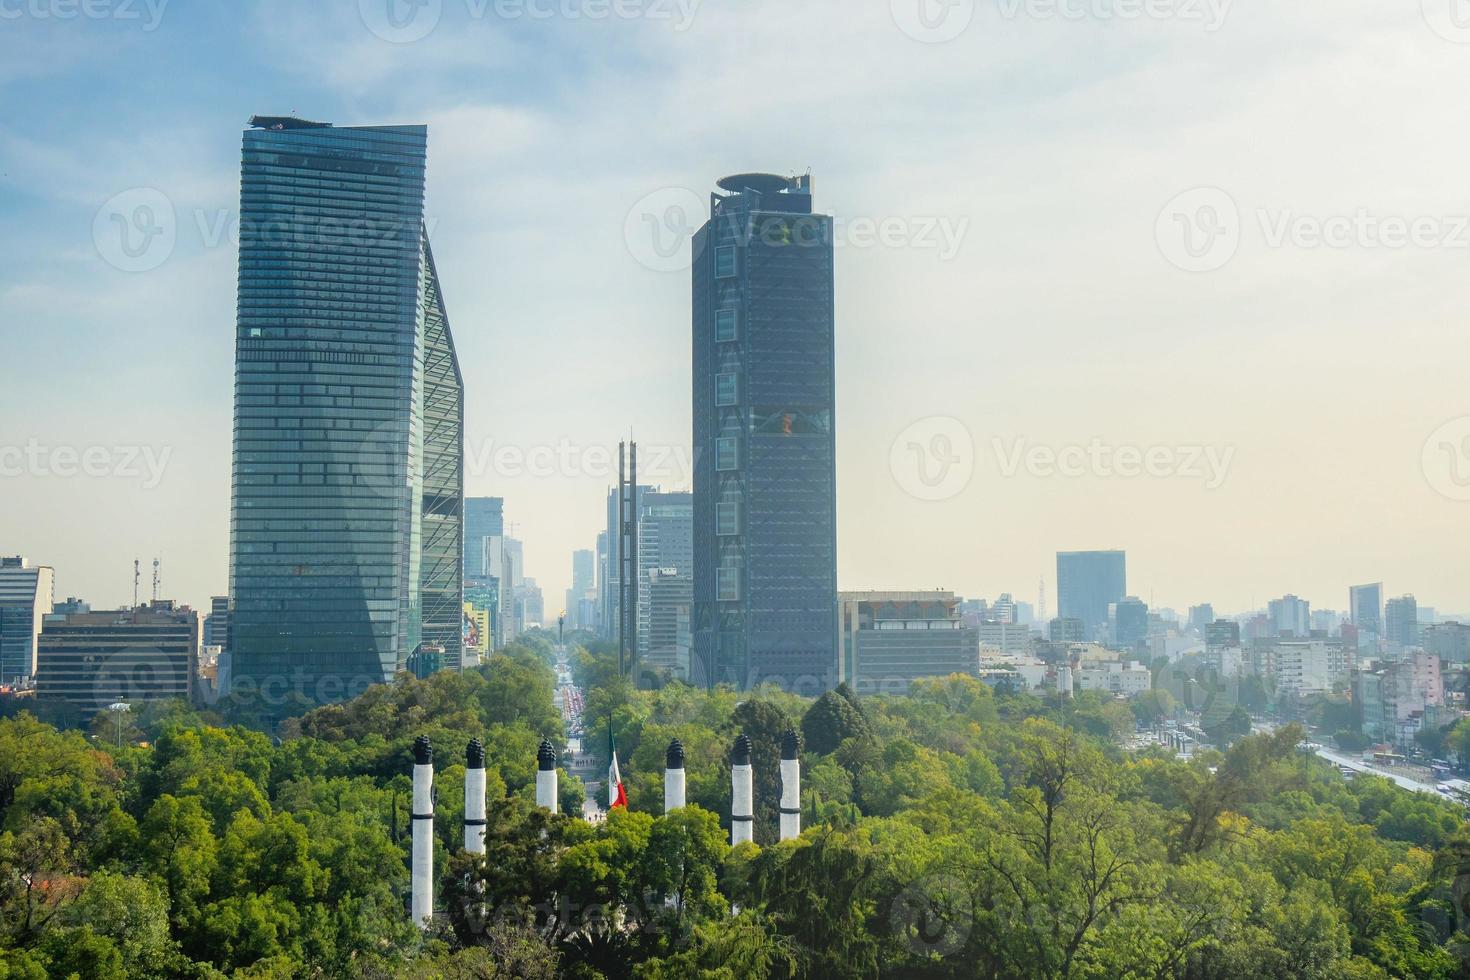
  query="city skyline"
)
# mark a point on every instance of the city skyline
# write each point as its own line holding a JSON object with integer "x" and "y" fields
{"x": 1025, "y": 362}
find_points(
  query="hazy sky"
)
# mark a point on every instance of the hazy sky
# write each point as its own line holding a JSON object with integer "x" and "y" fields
{"x": 1017, "y": 272}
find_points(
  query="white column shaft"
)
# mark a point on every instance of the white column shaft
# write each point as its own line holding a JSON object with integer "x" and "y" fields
{"x": 422, "y": 902}
{"x": 474, "y": 811}
{"x": 790, "y": 798}
{"x": 742, "y": 805}
{"x": 673, "y": 789}
{"x": 546, "y": 789}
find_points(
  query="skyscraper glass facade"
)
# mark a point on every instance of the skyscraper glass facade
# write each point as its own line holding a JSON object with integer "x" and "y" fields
{"x": 1087, "y": 583}
{"x": 484, "y": 523}
{"x": 345, "y": 538}
{"x": 765, "y": 542}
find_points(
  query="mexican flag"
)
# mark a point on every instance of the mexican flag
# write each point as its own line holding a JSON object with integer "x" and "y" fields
{"x": 617, "y": 796}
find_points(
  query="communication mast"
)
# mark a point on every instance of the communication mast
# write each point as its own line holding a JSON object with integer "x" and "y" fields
{"x": 156, "y": 577}
{"x": 137, "y": 577}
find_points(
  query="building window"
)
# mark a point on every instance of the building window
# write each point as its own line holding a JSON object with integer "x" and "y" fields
{"x": 724, "y": 261}
{"x": 727, "y": 453}
{"x": 724, "y": 326}
{"x": 727, "y": 585}
{"x": 727, "y": 518}
{"x": 727, "y": 389}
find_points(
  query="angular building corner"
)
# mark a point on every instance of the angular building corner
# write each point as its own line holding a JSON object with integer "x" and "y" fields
{"x": 441, "y": 572}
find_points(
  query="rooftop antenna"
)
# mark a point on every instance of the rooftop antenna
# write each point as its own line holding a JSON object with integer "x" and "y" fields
{"x": 156, "y": 577}
{"x": 137, "y": 576}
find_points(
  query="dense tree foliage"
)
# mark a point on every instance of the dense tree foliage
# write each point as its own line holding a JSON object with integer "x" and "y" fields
{"x": 953, "y": 832}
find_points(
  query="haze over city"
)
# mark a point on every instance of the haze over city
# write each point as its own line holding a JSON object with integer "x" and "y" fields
{"x": 998, "y": 199}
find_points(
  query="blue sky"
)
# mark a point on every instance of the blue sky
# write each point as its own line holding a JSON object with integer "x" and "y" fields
{"x": 1007, "y": 279}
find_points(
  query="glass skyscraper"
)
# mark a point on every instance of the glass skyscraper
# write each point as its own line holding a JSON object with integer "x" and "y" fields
{"x": 765, "y": 527}
{"x": 1087, "y": 583}
{"x": 346, "y": 542}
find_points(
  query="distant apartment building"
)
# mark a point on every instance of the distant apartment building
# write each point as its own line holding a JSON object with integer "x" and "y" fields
{"x": 1066, "y": 630}
{"x": 1396, "y": 697}
{"x": 26, "y": 594}
{"x": 1088, "y": 583}
{"x": 1365, "y": 608}
{"x": 664, "y": 633}
{"x": 1326, "y": 621}
{"x": 891, "y": 639}
{"x": 1290, "y": 616}
{"x": 1115, "y": 677}
{"x": 217, "y": 623}
{"x": 1308, "y": 666}
{"x": 665, "y": 552}
{"x": 1130, "y": 624}
{"x": 584, "y": 588}
{"x": 94, "y": 659}
{"x": 1003, "y": 610}
{"x": 1021, "y": 674}
{"x": 484, "y": 529}
{"x": 1448, "y": 641}
{"x": 1201, "y": 616}
{"x": 610, "y": 578}
{"x": 1401, "y": 622}
{"x": 530, "y": 606}
{"x": 1003, "y": 637}
{"x": 1222, "y": 633}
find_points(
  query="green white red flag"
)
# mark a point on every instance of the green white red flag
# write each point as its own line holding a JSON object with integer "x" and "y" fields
{"x": 617, "y": 796}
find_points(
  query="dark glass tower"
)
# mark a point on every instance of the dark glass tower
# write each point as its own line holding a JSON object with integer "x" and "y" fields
{"x": 346, "y": 542}
{"x": 1087, "y": 583}
{"x": 765, "y": 513}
